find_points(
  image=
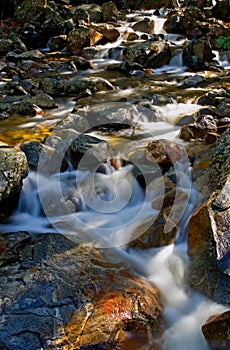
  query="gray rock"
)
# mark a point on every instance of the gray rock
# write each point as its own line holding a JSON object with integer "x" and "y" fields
{"x": 77, "y": 85}
{"x": 13, "y": 169}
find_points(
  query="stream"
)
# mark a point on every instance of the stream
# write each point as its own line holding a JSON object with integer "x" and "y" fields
{"x": 113, "y": 208}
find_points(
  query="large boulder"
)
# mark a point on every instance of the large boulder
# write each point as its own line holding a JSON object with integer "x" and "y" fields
{"x": 58, "y": 294}
{"x": 77, "y": 86}
{"x": 13, "y": 169}
{"x": 208, "y": 228}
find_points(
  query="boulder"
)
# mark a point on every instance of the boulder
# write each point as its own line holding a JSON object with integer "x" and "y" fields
{"x": 145, "y": 26}
{"x": 14, "y": 169}
{"x": 216, "y": 331}
{"x": 208, "y": 228}
{"x": 59, "y": 294}
{"x": 197, "y": 53}
{"x": 213, "y": 97}
{"x": 82, "y": 37}
{"x": 53, "y": 86}
{"x": 150, "y": 54}
{"x": 93, "y": 11}
{"x": 57, "y": 43}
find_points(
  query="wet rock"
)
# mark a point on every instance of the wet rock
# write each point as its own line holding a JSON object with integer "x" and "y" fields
{"x": 76, "y": 85}
{"x": 13, "y": 169}
{"x": 197, "y": 53}
{"x": 109, "y": 12}
{"x": 73, "y": 121}
{"x": 192, "y": 81}
{"x": 199, "y": 129}
{"x": 90, "y": 150}
{"x": 208, "y": 246}
{"x": 115, "y": 116}
{"x": 150, "y": 54}
{"x": 216, "y": 331}
{"x": 164, "y": 152}
{"x": 53, "y": 286}
{"x": 48, "y": 158}
{"x": 186, "y": 119}
{"x": 162, "y": 228}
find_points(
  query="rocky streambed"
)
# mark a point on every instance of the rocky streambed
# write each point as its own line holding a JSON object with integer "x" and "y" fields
{"x": 114, "y": 181}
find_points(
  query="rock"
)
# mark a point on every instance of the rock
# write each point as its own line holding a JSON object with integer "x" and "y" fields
{"x": 42, "y": 100}
{"x": 192, "y": 81}
{"x": 164, "y": 152}
{"x": 57, "y": 43}
{"x": 213, "y": 97}
{"x": 72, "y": 121}
{"x": 90, "y": 150}
{"x": 24, "y": 108}
{"x": 76, "y": 85}
{"x": 82, "y": 63}
{"x": 161, "y": 229}
{"x": 52, "y": 286}
{"x": 150, "y": 54}
{"x": 14, "y": 169}
{"x": 145, "y": 26}
{"x": 115, "y": 116}
{"x": 94, "y": 11}
{"x": 109, "y": 12}
{"x": 108, "y": 31}
{"x": 78, "y": 39}
{"x": 223, "y": 109}
{"x": 5, "y": 46}
{"x": 216, "y": 331}
{"x": 53, "y": 86}
{"x": 197, "y": 53}
{"x": 29, "y": 55}
{"x": 199, "y": 129}
{"x": 81, "y": 16}
{"x": 208, "y": 246}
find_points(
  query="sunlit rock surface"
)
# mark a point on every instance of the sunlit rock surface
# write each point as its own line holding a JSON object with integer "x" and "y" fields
{"x": 57, "y": 294}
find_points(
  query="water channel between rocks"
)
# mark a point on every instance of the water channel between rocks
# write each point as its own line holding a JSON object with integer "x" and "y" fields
{"x": 118, "y": 209}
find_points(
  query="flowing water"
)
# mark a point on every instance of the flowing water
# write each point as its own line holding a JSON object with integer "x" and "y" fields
{"x": 108, "y": 207}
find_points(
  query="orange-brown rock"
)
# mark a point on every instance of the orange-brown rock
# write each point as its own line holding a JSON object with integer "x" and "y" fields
{"x": 217, "y": 331}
